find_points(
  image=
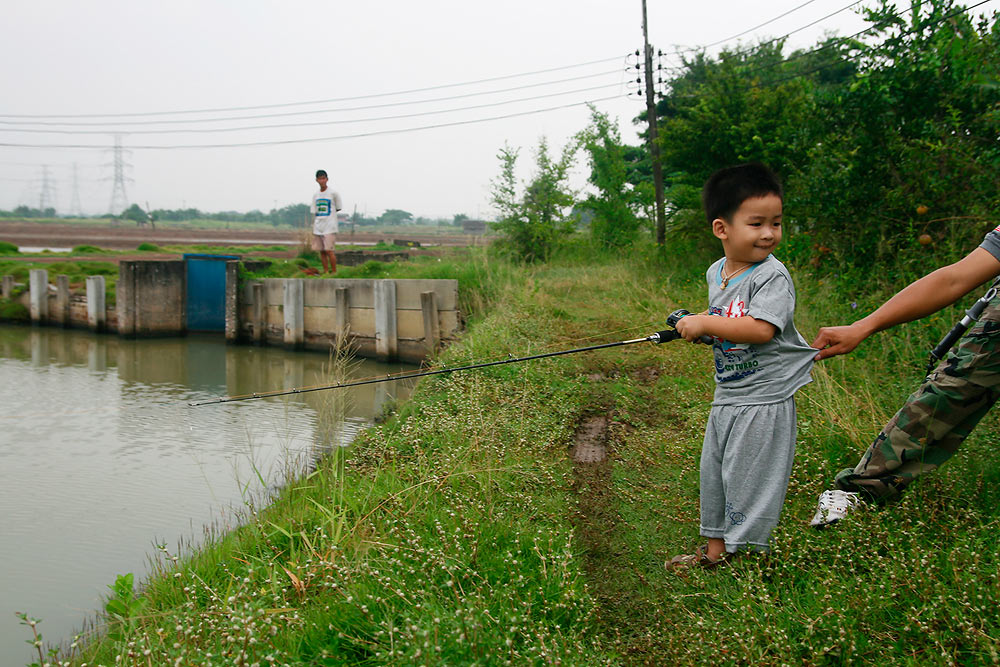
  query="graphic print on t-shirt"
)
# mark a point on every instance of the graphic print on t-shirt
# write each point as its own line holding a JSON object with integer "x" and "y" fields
{"x": 733, "y": 361}
{"x": 323, "y": 207}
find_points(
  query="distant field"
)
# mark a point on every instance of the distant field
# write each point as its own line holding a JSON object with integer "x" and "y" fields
{"x": 63, "y": 234}
{"x": 204, "y": 224}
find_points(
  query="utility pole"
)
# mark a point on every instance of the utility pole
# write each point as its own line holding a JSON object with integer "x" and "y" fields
{"x": 654, "y": 148}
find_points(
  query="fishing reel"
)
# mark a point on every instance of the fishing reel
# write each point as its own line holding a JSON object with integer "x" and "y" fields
{"x": 671, "y": 334}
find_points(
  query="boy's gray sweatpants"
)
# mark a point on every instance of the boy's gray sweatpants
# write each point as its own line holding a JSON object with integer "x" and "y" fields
{"x": 746, "y": 462}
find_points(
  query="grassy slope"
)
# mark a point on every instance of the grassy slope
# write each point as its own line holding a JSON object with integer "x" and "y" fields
{"x": 461, "y": 532}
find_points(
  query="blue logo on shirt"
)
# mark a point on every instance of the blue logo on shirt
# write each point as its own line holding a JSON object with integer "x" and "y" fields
{"x": 323, "y": 207}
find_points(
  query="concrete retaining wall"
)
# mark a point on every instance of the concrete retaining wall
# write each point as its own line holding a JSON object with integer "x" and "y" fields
{"x": 385, "y": 319}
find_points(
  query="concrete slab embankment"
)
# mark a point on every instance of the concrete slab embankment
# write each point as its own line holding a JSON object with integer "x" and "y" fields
{"x": 389, "y": 320}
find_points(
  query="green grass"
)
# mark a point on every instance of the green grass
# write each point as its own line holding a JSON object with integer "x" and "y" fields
{"x": 460, "y": 532}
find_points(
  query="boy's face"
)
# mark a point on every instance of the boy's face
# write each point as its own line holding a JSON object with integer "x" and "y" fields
{"x": 322, "y": 182}
{"x": 754, "y": 232}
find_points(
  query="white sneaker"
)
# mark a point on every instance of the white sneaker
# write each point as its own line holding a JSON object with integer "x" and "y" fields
{"x": 833, "y": 506}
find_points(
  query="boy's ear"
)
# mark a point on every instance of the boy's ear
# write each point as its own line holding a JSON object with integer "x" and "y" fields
{"x": 720, "y": 229}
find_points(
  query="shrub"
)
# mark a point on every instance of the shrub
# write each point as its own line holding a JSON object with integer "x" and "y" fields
{"x": 13, "y": 311}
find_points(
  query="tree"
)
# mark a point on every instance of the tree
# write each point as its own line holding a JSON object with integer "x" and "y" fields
{"x": 915, "y": 127}
{"x": 533, "y": 222}
{"x": 136, "y": 215}
{"x": 395, "y": 216}
{"x": 615, "y": 223}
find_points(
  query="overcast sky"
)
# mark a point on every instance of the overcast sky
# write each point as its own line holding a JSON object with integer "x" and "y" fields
{"x": 333, "y": 82}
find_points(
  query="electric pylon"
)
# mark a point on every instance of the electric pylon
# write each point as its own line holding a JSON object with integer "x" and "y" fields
{"x": 75, "y": 209}
{"x": 47, "y": 197}
{"x": 119, "y": 200}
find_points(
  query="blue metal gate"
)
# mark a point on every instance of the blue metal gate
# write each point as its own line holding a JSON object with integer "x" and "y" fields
{"x": 206, "y": 291}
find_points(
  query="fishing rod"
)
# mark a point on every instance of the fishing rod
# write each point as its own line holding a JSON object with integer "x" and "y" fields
{"x": 658, "y": 338}
{"x": 957, "y": 331}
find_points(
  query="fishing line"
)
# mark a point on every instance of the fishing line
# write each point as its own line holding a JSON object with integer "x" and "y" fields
{"x": 658, "y": 337}
{"x": 402, "y": 375}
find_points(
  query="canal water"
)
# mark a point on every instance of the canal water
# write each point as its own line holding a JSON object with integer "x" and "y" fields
{"x": 102, "y": 459}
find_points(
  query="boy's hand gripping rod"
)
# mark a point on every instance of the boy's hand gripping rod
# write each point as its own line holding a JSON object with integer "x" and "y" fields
{"x": 957, "y": 331}
{"x": 658, "y": 337}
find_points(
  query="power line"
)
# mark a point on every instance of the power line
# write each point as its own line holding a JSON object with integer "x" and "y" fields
{"x": 278, "y": 142}
{"x": 325, "y": 122}
{"x": 308, "y": 112}
{"x": 324, "y": 101}
{"x": 681, "y": 52}
{"x": 756, "y": 27}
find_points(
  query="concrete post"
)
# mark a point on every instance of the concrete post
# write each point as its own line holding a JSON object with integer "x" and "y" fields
{"x": 259, "y": 310}
{"x": 62, "y": 300}
{"x": 38, "y": 284}
{"x": 125, "y": 298}
{"x": 342, "y": 303}
{"x": 232, "y": 294}
{"x": 432, "y": 327}
{"x": 8, "y": 286}
{"x": 97, "y": 314}
{"x": 294, "y": 305}
{"x": 386, "y": 339}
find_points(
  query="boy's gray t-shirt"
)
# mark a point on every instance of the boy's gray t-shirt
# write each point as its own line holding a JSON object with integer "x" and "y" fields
{"x": 755, "y": 374}
{"x": 991, "y": 243}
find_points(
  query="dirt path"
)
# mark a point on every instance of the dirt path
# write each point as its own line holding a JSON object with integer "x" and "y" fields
{"x": 622, "y": 509}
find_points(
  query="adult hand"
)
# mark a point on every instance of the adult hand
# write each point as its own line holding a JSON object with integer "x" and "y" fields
{"x": 831, "y": 341}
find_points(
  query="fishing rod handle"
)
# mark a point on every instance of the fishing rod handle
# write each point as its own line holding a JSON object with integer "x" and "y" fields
{"x": 676, "y": 317}
{"x": 957, "y": 331}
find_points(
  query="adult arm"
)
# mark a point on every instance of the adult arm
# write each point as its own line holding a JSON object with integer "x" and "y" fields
{"x": 920, "y": 298}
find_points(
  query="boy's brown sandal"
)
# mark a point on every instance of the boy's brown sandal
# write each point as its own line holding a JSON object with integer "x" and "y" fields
{"x": 699, "y": 559}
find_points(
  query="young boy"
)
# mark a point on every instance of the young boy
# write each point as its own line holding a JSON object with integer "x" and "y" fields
{"x": 325, "y": 205}
{"x": 760, "y": 361}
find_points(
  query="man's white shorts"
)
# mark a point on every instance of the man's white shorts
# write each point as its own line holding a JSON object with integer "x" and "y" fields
{"x": 323, "y": 241}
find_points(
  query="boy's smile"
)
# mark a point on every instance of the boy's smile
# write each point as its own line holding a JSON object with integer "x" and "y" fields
{"x": 755, "y": 230}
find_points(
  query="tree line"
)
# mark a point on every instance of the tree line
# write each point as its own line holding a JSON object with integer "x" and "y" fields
{"x": 886, "y": 141}
{"x": 293, "y": 215}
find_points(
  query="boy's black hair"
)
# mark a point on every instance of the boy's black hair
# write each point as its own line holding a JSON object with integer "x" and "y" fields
{"x": 728, "y": 188}
{"x": 320, "y": 172}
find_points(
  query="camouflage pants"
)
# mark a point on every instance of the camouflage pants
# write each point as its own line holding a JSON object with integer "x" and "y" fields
{"x": 932, "y": 424}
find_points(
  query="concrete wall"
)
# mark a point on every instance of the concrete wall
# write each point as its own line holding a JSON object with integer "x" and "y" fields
{"x": 151, "y": 298}
{"x": 384, "y": 319}
{"x": 424, "y": 314}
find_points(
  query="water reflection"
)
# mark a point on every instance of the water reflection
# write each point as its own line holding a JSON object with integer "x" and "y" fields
{"x": 101, "y": 456}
